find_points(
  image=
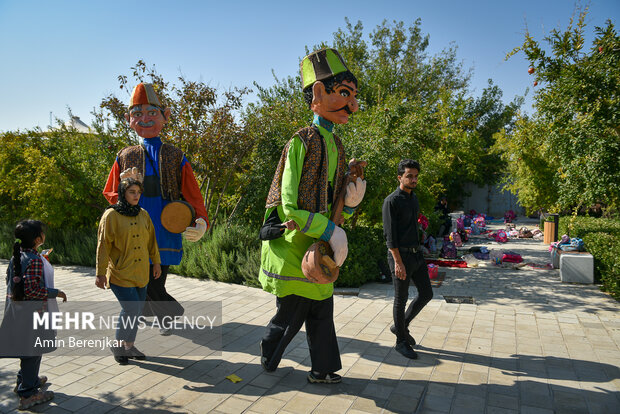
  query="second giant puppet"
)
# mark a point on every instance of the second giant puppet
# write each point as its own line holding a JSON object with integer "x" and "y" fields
{"x": 168, "y": 176}
{"x": 308, "y": 179}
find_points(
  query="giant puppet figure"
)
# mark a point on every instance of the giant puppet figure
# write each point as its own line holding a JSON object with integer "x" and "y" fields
{"x": 308, "y": 178}
{"x": 167, "y": 177}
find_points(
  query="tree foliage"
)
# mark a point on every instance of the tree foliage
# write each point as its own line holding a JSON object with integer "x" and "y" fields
{"x": 54, "y": 176}
{"x": 412, "y": 105}
{"x": 576, "y": 127}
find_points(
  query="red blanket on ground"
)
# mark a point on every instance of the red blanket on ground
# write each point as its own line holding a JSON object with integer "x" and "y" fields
{"x": 447, "y": 263}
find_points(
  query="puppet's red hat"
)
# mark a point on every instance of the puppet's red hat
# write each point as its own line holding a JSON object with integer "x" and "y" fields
{"x": 144, "y": 93}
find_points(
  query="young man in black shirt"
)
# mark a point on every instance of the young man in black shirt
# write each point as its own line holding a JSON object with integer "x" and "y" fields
{"x": 400, "y": 227}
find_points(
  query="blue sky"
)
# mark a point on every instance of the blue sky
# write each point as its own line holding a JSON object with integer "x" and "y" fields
{"x": 63, "y": 53}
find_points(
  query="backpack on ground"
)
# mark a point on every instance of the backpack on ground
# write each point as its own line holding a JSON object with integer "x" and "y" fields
{"x": 511, "y": 257}
{"x": 500, "y": 236}
{"x": 448, "y": 249}
{"x": 456, "y": 238}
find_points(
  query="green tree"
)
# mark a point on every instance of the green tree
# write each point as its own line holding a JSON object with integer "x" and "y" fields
{"x": 489, "y": 115}
{"x": 530, "y": 164}
{"x": 54, "y": 176}
{"x": 578, "y": 106}
{"x": 412, "y": 105}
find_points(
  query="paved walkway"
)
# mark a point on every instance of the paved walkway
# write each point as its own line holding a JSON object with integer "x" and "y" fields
{"x": 529, "y": 344}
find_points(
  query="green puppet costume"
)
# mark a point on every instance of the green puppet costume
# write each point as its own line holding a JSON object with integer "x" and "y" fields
{"x": 300, "y": 192}
{"x": 309, "y": 177}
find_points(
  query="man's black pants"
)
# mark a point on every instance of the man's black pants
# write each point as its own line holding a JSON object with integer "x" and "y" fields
{"x": 417, "y": 271}
{"x": 159, "y": 302}
{"x": 318, "y": 315}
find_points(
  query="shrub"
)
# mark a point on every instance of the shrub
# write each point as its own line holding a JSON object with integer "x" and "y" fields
{"x": 232, "y": 255}
{"x": 229, "y": 254}
{"x": 366, "y": 251}
{"x": 606, "y": 250}
{"x": 600, "y": 237}
{"x": 71, "y": 246}
{"x": 580, "y": 226}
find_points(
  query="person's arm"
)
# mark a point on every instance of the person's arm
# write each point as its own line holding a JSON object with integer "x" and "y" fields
{"x": 391, "y": 237}
{"x": 105, "y": 235}
{"x": 111, "y": 185}
{"x": 191, "y": 190}
{"x": 191, "y": 193}
{"x": 34, "y": 288}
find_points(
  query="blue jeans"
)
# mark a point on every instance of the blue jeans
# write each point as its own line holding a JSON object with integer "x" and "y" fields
{"x": 132, "y": 302}
{"x": 28, "y": 376}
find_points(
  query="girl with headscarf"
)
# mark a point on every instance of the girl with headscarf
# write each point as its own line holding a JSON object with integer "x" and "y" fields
{"x": 126, "y": 243}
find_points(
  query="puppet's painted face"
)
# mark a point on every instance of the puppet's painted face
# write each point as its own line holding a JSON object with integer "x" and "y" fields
{"x": 338, "y": 105}
{"x": 146, "y": 120}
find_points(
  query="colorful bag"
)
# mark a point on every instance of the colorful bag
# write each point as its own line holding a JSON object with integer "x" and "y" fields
{"x": 511, "y": 257}
{"x": 496, "y": 256}
{"x": 448, "y": 249}
{"x": 525, "y": 233}
{"x": 480, "y": 221}
{"x": 433, "y": 271}
{"x": 500, "y": 236}
{"x": 575, "y": 245}
{"x": 481, "y": 256}
{"x": 456, "y": 238}
{"x": 509, "y": 216}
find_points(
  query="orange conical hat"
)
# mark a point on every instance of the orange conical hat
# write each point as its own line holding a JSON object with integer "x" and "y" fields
{"x": 144, "y": 93}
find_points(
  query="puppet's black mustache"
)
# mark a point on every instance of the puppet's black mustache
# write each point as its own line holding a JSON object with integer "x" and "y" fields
{"x": 344, "y": 108}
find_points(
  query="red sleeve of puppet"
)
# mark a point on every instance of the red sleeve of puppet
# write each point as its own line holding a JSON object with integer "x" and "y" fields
{"x": 111, "y": 186}
{"x": 191, "y": 191}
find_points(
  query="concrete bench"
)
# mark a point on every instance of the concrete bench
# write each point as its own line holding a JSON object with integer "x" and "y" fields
{"x": 576, "y": 267}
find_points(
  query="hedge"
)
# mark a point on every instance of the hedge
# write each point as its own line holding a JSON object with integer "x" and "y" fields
{"x": 232, "y": 255}
{"x": 601, "y": 238}
{"x": 71, "y": 246}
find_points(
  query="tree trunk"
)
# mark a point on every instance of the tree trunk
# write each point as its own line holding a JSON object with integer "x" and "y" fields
{"x": 234, "y": 209}
{"x": 219, "y": 199}
{"x": 211, "y": 192}
{"x": 207, "y": 194}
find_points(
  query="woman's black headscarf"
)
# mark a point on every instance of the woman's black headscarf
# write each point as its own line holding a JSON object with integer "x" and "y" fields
{"x": 122, "y": 206}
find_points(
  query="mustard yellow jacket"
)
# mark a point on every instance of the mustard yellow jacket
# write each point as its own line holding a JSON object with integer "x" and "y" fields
{"x": 125, "y": 245}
